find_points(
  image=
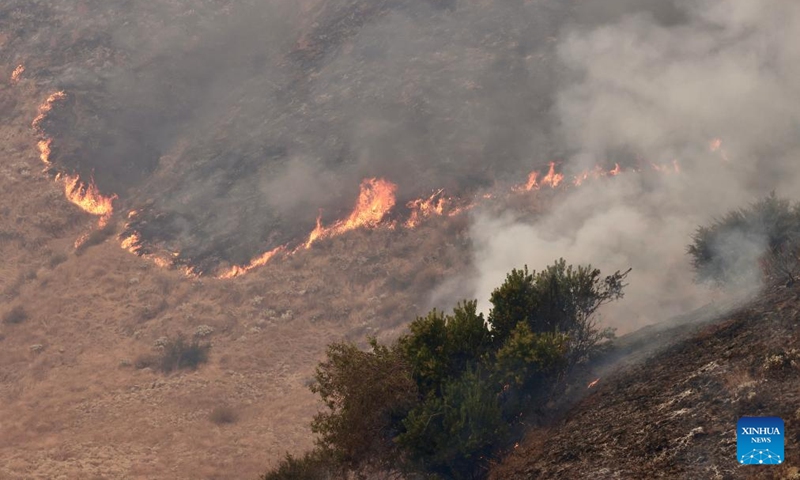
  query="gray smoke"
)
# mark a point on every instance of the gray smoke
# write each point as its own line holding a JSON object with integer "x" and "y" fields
{"x": 660, "y": 90}
{"x": 229, "y": 124}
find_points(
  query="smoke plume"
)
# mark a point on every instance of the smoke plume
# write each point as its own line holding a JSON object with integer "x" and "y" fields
{"x": 228, "y": 125}
{"x": 708, "y": 85}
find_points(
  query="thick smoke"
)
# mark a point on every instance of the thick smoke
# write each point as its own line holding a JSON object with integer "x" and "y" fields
{"x": 230, "y": 124}
{"x": 660, "y": 88}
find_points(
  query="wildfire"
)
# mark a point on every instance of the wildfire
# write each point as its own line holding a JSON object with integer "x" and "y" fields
{"x": 552, "y": 180}
{"x": 84, "y": 195}
{"x": 44, "y": 150}
{"x": 80, "y": 241}
{"x": 16, "y": 75}
{"x": 45, "y": 108}
{"x": 669, "y": 168}
{"x": 423, "y": 208}
{"x": 715, "y": 146}
{"x": 376, "y": 199}
{"x": 132, "y": 243}
{"x": 593, "y": 383}
{"x": 235, "y": 271}
{"x": 87, "y": 197}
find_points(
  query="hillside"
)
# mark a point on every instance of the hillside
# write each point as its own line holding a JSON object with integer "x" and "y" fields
{"x": 268, "y": 177}
{"x": 672, "y": 413}
{"x": 74, "y": 405}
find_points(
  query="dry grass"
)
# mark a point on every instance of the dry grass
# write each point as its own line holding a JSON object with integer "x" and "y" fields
{"x": 69, "y": 411}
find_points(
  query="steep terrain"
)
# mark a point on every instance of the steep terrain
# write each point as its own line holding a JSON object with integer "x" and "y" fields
{"x": 673, "y": 413}
{"x": 72, "y": 402}
{"x": 223, "y": 129}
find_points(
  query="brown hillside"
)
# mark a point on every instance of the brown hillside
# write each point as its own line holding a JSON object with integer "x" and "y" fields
{"x": 72, "y": 402}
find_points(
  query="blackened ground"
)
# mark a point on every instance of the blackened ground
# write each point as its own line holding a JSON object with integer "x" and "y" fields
{"x": 673, "y": 415}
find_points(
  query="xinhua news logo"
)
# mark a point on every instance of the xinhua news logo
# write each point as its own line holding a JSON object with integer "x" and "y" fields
{"x": 759, "y": 441}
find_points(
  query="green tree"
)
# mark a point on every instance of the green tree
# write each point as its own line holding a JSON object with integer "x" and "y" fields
{"x": 512, "y": 302}
{"x": 445, "y": 397}
{"x": 562, "y": 299}
{"x": 451, "y": 434}
{"x": 527, "y": 358}
{"x": 731, "y": 247}
{"x": 440, "y": 347}
{"x": 367, "y": 395}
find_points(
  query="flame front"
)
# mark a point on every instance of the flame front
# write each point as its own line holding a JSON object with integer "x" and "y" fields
{"x": 376, "y": 199}
{"x": 424, "y": 208}
{"x": 16, "y": 75}
{"x": 715, "y": 145}
{"x": 552, "y": 179}
{"x": 674, "y": 167}
{"x": 44, "y": 150}
{"x": 45, "y": 109}
{"x": 82, "y": 194}
{"x": 593, "y": 383}
{"x": 261, "y": 260}
{"x": 133, "y": 244}
{"x": 87, "y": 196}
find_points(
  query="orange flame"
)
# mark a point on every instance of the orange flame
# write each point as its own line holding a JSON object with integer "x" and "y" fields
{"x": 261, "y": 260}
{"x": 132, "y": 243}
{"x": 44, "y": 150}
{"x": 46, "y": 107}
{"x": 552, "y": 178}
{"x": 87, "y": 197}
{"x": 531, "y": 184}
{"x": 593, "y": 383}
{"x": 376, "y": 199}
{"x": 675, "y": 167}
{"x": 716, "y": 147}
{"x": 423, "y": 208}
{"x": 17, "y": 73}
{"x": 80, "y": 241}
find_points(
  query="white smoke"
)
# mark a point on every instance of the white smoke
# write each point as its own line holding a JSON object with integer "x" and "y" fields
{"x": 661, "y": 93}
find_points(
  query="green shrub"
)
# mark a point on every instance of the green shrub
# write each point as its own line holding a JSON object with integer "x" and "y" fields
{"x": 177, "y": 353}
{"x": 223, "y": 414}
{"x": 561, "y": 299}
{"x": 730, "y": 249}
{"x": 440, "y": 347}
{"x": 444, "y": 398}
{"x": 367, "y": 394}
{"x": 15, "y": 316}
{"x": 528, "y": 357}
{"x": 452, "y": 433}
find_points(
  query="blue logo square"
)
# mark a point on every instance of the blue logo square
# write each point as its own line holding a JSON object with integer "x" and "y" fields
{"x": 759, "y": 441}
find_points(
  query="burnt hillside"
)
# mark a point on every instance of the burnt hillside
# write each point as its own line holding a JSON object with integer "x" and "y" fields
{"x": 674, "y": 414}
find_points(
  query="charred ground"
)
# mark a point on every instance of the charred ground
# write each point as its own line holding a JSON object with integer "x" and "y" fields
{"x": 672, "y": 412}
